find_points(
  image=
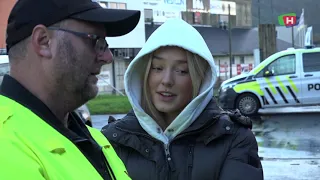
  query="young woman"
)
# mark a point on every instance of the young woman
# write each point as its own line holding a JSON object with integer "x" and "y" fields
{"x": 176, "y": 130}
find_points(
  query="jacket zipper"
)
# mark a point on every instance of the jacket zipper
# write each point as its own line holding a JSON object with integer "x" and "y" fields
{"x": 167, "y": 149}
{"x": 167, "y": 154}
{"x": 190, "y": 161}
{"x": 169, "y": 160}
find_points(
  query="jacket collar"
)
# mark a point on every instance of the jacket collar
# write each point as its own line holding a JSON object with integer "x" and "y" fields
{"x": 210, "y": 124}
{"x": 15, "y": 91}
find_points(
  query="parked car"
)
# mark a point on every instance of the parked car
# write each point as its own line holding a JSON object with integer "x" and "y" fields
{"x": 84, "y": 114}
{"x": 288, "y": 78}
{"x": 4, "y": 66}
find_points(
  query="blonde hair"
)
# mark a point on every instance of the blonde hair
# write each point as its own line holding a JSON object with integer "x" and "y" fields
{"x": 197, "y": 68}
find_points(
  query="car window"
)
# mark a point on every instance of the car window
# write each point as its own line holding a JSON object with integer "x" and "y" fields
{"x": 311, "y": 62}
{"x": 260, "y": 74}
{"x": 283, "y": 65}
{"x": 4, "y": 69}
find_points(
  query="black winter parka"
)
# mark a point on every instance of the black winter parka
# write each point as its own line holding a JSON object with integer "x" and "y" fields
{"x": 213, "y": 148}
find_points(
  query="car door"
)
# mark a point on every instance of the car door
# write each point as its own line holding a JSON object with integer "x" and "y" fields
{"x": 282, "y": 87}
{"x": 311, "y": 78}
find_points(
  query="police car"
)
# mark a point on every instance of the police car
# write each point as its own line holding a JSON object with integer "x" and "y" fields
{"x": 289, "y": 78}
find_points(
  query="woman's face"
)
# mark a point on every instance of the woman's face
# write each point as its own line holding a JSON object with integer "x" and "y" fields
{"x": 169, "y": 80}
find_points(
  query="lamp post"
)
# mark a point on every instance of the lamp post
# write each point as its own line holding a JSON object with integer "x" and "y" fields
{"x": 229, "y": 28}
{"x": 230, "y": 39}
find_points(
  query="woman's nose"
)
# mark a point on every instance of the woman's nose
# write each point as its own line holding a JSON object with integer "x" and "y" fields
{"x": 167, "y": 79}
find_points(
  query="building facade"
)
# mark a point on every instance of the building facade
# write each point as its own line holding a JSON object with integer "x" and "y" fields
{"x": 200, "y": 12}
{"x": 5, "y": 8}
{"x": 124, "y": 48}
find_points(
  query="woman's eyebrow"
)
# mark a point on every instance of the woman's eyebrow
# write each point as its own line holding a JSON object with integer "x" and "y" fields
{"x": 157, "y": 57}
{"x": 180, "y": 61}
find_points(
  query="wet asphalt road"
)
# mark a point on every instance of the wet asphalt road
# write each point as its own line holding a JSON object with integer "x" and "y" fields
{"x": 289, "y": 145}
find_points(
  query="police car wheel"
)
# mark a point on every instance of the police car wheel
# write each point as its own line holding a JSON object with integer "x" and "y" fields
{"x": 248, "y": 104}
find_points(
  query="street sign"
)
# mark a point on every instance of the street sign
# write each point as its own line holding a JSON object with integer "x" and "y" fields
{"x": 221, "y": 7}
{"x": 288, "y": 20}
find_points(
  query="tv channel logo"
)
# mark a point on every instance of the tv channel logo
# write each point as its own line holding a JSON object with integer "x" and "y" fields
{"x": 289, "y": 19}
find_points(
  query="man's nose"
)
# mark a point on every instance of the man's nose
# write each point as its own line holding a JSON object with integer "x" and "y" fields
{"x": 106, "y": 56}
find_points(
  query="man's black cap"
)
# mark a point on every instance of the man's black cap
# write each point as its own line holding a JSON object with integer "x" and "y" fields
{"x": 26, "y": 14}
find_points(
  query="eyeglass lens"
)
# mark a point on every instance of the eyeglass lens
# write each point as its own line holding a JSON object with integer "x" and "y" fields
{"x": 101, "y": 45}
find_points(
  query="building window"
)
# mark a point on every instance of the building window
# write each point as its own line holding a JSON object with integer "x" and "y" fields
{"x": 121, "y": 6}
{"x": 241, "y": 59}
{"x": 197, "y": 18}
{"x": 103, "y": 4}
{"x": 113, "y": 5}
{"x": 148, "y": 15}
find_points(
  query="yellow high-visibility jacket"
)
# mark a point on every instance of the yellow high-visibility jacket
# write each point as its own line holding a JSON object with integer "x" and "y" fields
{"x": 32, "y": 149}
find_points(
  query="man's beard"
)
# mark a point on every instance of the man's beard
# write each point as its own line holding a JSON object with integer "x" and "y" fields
{"x": 71, "y": 75}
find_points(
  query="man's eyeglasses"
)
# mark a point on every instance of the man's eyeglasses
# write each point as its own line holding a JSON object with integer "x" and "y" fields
{"x": 100, "y": 44}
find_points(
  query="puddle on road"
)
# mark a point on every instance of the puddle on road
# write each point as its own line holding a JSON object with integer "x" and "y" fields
{"x": 309, "y": 145}
{"x": 299, "y": 135}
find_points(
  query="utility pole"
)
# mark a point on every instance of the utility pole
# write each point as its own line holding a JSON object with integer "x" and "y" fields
{"x": 259, "y": 13}
{"x": 267, "y": 40}
{"x": 230, "y": 40}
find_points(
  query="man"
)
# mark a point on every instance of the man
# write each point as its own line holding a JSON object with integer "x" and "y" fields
{"x": 56, "y": 48}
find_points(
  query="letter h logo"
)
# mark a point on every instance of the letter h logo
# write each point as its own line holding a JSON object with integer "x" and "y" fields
{"x": 289, "y": 20}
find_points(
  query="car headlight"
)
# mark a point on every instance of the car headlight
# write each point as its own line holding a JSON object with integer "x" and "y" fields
{"x": 226, "y": 87}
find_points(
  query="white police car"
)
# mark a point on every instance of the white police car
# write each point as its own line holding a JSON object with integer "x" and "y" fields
{"x": 289, "y": 78}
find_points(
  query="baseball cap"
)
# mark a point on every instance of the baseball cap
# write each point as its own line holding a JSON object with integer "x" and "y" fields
{"x": 26, "y": 14}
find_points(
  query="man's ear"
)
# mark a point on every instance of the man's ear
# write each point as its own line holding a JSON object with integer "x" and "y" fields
{"x": 41, "y": 41}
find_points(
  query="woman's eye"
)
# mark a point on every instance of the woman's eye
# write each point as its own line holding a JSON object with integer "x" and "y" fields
{"x": 156, "y": 68}
{"x": 182, "y": 72}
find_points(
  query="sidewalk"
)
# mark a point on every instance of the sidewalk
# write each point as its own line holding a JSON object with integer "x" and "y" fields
{"x": 291, "y": 169}
{"x": 98, "y": 121}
